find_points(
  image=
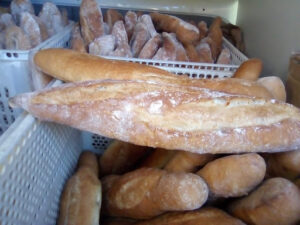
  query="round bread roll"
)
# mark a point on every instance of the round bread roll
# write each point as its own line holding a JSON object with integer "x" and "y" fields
{"x": 234, "y": 175}
{"x": 275, "y": 86}
{"x": 276, "y": 202}
{"x": 249, "y": 70}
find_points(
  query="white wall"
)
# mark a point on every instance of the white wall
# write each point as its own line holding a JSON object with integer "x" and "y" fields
{"x": 272, "y": 31}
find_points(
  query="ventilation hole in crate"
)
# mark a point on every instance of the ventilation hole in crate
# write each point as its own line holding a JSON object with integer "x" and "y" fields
{"x": 10, "y": 109}
{"x": 208, "y": 76}
{"x": 16, "y": 55}
{"x": 194, "y": 75}
{"x": 201, "y": 76}
{"x": 216, "y": 76}
{"x": 1, "y": 106}
{"x": 8, "y": 54}
{"x": 6, "y": 92}
{"x": 12, "y": 118}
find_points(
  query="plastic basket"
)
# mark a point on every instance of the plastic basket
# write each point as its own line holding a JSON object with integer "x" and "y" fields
{"x": 35, "y": 161}
{"x": 15, "y": 74}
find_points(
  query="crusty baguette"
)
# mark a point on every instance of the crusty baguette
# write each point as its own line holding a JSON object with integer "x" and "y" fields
{"x": 169, "y": 116}
{"x": 285, "y": 164}
{"x": 275, "y": 86}
{"x": 276, "y": 202}
{"x": 249, "y": 70}
{"x": 81, "y": 199}
{"x": 120, "y": 157}
{"x": 187, "y": 162}
{"x": 158, "y": 158}
{"x": 89, "y": 159}
{"x": 205, "y": 216}
{"x": 149, "y": 192}
{"x": 234, "y": 175}
{"x": 69, "y": 65}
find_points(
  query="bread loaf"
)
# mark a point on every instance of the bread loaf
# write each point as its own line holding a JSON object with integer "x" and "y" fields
{"x": 68, "y": 65}
{"x": 205, "y": 216}
{"x": 89, "y": 160}
{"x": 275, "y": 86}
{"x": 81, "y": 199}
{"x": 185, "y": 32}
{"x": 286, "y": 164}
{"x": 120, "y": 157}
{"x": 249, "y": 70}
{"x": 16, "y": 39}
{"x": 52, "y": 18}
{"x": 77, "y": 42}
{"x": 91, "y": 20}
{"x": 158, "y": 158}
{"x": 233, "y": 176}
{"x": 17, "y": 7}
{"x": 117, "y": 221}
{"x": 149, "y": 192}
{"x": 276, "y": 202}
{"x": 187, "y": 161}
{"x": 169, "y": 116}
{"x": 216, "y": 36}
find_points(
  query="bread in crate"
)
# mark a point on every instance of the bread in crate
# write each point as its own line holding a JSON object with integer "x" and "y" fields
{"x": 145, "y": 30}
{"x": 28, "y": 30}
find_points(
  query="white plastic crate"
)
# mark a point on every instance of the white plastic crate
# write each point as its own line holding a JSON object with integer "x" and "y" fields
{"x": 35, "y": 161}
{"x": 15, "y": 74}
{"x": 192, "y": 69}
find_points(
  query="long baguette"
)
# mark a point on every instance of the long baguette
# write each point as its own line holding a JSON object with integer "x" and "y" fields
{"x": 72, "y": 66}
{"x": 169, "y": 116}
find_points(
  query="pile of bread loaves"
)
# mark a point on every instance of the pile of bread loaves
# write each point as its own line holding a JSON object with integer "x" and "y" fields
{"x": 147, "y": 36}
{"x": 189, "y": 151}
{"x": 20, "y": 29}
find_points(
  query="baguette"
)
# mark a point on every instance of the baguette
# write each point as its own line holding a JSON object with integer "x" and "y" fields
{"x": 205, "y": 216}
{"x": 89, "y": 160}
{"x": 72, "y": 66}
{"x": 120, "y": 157}
{"x": 233, "y": 176}
{"x": 185, "y": 32}
{"x": 276, "y": 202}
{"x": 169, "y": 116}
{"x": 81, "y": 199}
{"x": 148, "y": 192}
{"x": 249, "y": 70}
{"x": 187, "y": 161}
{"x": 158, "y": 158}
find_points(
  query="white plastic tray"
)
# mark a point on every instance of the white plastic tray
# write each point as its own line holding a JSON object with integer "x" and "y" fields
{"x": 15, "y": 74}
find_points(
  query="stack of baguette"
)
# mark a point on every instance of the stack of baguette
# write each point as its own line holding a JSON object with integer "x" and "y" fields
{"x": 21, "y": 29}
{"x": 189, "y": 151}
{"x": 147, "y": 36}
